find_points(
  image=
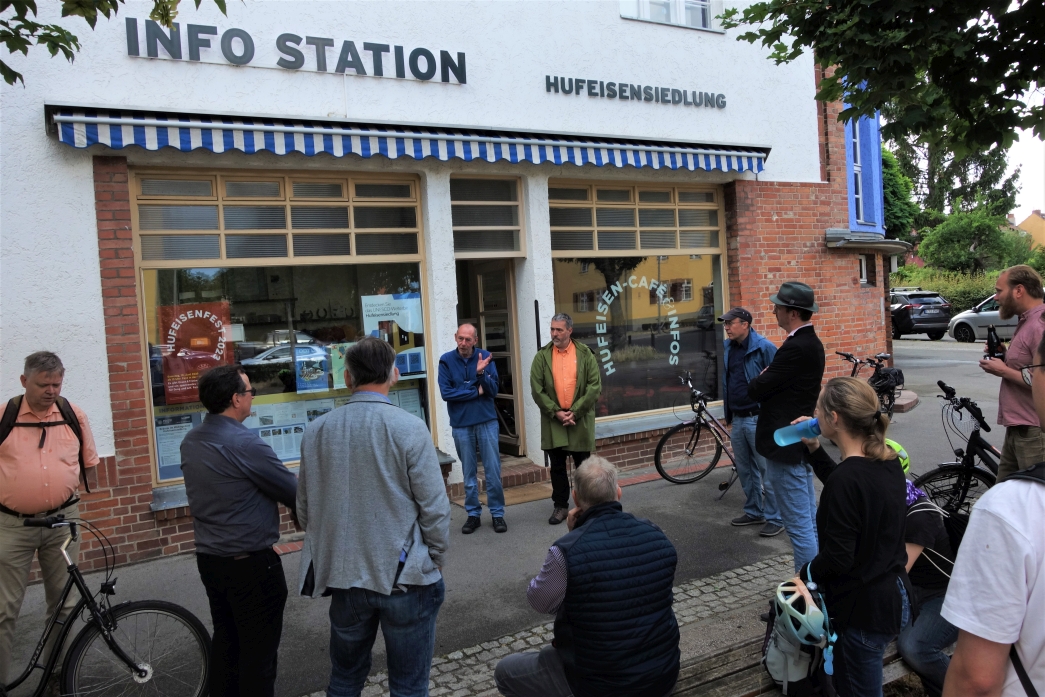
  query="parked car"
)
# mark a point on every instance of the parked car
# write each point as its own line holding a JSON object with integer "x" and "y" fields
{"x": 917, "y": 311}
{"x": 251, "y": 349}
{"x": 971, "y": 325}
{"x": 281, "y": 354}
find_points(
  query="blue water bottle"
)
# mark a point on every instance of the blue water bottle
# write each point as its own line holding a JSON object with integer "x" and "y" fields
{"x": 789, "y": 435}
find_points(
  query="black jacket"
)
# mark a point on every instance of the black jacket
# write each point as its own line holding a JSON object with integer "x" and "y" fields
{"x": 787, "y": 389}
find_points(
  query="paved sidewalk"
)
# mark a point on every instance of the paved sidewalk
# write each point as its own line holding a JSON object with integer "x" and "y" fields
{"x": 469, "y": 672}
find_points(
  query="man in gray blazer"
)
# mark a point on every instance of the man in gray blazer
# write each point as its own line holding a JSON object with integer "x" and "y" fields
{"x": 377, "y": 524}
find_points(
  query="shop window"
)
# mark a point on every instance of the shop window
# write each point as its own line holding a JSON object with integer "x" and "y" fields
{"x": 486, "y": 218}
{"x": 172, "y": 211}
{"x": 694, "y": 14}
{"x": 864, "y": 175}
{"x": 196, "y": 318}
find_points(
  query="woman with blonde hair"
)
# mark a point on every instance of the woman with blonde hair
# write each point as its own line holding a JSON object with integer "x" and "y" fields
{"x": 860, "y": 568}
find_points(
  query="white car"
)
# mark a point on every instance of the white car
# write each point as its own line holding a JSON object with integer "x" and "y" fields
{"x": 971, "y": 325}
{"x": 281, "y": 354}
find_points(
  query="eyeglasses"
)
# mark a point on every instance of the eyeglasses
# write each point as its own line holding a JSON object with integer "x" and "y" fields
{"x": 253, "y": 392}
{"x": 1025, "y": 372}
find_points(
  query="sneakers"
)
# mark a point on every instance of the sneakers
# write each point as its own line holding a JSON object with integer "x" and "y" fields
{"x": 558, "y": 515}
{"x": 746, "y": 520}
{"x": 771, "y": 530}
{"x": 471, "y": 525}
{"x": 499, "y": 525}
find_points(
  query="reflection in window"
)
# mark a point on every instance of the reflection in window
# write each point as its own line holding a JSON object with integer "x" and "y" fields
{"x": 289, "y": 327}
{"x": 642, "y": 347}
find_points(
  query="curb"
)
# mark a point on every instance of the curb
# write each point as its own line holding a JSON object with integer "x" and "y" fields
{"x": 907, "y": 401}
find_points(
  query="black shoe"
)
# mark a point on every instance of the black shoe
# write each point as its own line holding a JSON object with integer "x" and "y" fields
{"x": 746, "y": 520}
{"x": 558, "y": 515}
{"x": 471, "y": 525}
{"x": 499, "y": 525}
{"x": 771, "y": 530}
{"x": 764, "y": 617}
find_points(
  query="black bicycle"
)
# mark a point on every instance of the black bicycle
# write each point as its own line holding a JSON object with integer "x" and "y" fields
{"x": 148, "y": 647}
{"x": 886, "y": 381}
{"x": 690, "y": 450}
{"x": 956, "y": 486}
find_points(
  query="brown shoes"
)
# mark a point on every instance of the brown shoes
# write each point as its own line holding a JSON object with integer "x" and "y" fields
{"x": 558, "y": 515}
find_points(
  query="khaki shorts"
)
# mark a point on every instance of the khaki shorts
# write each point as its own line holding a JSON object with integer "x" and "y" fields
{"x": 1024, "y": 446}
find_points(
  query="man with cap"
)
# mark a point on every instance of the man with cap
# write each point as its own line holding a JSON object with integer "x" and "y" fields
{"x": 785, "y": 390}
{"x": 747, "y": 354}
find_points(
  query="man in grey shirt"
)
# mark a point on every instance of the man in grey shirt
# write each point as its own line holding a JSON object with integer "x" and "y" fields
{"x": 377, "y": 525}
{"x": 234, "y": 480}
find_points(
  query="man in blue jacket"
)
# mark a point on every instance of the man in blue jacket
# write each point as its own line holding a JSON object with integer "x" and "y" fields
{"x": 747, "y": 354}
{"x": 468, "y": 383}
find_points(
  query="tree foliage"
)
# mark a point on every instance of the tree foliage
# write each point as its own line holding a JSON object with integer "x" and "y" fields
{"x": 969, "y": 242}
{"x": 19, "y": 29}
{"x": 958, "y": 70}
{"x": 900, "y": 210}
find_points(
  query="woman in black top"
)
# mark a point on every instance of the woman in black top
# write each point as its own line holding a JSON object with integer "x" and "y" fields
{"x": 860, "y": 528}
{"x": 929, "y": 564}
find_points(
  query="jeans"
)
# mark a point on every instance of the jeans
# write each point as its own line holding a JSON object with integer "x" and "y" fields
{"x": 922, "y": 643}
{"x": 246, "y": 597}
{"x": 792, "y": 487}
{"x": 560, "y": 476}
{"x": 751, "y": 467}
{"x": 532, "y": 674}
{"x": 407, "y": 622}
{"x": 859, "y": 655}
{"x": 485, "y": 438}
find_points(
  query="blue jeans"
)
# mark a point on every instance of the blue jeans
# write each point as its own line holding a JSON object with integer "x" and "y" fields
{"x": 408, "y": 624}
{"x": 922, "y": 643}
{"x": 485, "y": 438}
{"x": 859, "y": 655}
{"x": 795, "y": 497}
{"x": 751, "y": 467}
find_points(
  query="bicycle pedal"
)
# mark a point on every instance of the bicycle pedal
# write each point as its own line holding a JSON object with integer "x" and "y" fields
{"x": 722, "y": 486}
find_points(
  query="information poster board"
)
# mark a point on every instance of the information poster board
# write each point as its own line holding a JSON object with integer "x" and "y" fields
{"x": 170, "y": 431}
{"x": 194, "y": 339}
{"x": 337, "y": 363}
{"x": 398, "y": 320}
{"x": 313, "y": 373}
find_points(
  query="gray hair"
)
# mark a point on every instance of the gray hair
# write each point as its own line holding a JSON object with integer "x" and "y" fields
{"x": 595, "y": 482}
{"x": 43, "y": 362}
{"x": 370, "y": 361}
{"x": 563, "y": 317}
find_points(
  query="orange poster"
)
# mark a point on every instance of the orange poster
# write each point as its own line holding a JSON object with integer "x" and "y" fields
{"x": 194, "y": 339}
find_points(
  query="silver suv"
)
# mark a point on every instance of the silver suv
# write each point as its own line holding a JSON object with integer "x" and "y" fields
{"x": 971, "y": 325}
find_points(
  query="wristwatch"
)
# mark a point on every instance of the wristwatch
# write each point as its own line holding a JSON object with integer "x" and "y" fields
{"x": 480, "y": 373}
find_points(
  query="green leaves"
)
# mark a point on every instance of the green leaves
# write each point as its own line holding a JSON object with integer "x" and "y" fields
{"x": 958, "y": 69}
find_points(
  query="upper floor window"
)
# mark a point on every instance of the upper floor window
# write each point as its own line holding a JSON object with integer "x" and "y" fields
{"x": 695, "y": 14}
{"x": 863, "y": 155}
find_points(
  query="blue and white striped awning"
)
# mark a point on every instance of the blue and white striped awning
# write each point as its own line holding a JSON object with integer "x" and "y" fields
{"x": 83, "y": 128}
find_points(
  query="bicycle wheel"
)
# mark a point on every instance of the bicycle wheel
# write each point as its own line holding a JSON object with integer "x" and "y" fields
{"x": 955, "y": 487}
{"x": 167, "y": 640}
{"x": 888, "y": 400}
{"x": 686, "y": 453}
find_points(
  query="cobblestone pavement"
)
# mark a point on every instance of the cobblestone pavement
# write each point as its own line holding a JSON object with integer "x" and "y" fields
{"x": 469, "y": 672}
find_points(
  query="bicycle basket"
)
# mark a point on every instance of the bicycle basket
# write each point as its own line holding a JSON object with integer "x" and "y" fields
{"x": 887, "y": 379}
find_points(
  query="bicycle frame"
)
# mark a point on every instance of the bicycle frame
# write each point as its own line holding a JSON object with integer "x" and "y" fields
{"x": 700, "y": 410}
{"x": 978, "y": 447}
{"x": 86, "y": 601}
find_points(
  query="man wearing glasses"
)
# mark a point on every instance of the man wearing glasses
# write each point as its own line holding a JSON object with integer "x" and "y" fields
{"x": 1018, "y": 293}
{"x": 234, "y": 482}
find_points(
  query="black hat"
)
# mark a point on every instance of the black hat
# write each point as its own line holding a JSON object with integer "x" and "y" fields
{"x": 736, "y": 313}
{"x": 796, "y": 295}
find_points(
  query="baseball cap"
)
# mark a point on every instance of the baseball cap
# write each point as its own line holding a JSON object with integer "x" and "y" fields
{"x": 736, "y": 313}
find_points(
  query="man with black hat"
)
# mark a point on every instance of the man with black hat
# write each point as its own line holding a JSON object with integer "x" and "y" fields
{"x": 747, "y": 353}
{"x": 785, "y": 390}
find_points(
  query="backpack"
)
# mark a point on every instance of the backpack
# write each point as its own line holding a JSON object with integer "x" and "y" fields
{"x": 10, "y": 420}
{"x": 799, "y": 670}
{"x": 954, "y": 522}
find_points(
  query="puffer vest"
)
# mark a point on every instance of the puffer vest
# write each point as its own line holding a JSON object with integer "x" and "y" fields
{"x": 615, "y": 630}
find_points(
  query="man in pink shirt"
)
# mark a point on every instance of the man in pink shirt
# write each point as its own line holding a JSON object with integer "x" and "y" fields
{"x": 1019, "y": 293}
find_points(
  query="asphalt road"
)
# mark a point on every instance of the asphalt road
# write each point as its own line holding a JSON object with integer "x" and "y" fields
{"x": 487, "y": 574}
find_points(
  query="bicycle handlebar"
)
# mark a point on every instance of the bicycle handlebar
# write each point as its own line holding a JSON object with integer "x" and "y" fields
{"x": 848, "y": 356}
{"x": 53, "y": 521}
{"x": 948, "y": 391}
{"x": 971, "y": 407}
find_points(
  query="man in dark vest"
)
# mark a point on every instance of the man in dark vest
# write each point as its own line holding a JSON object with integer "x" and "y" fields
{"x": 785, "y": 390}
{"x": 608, "y": 583}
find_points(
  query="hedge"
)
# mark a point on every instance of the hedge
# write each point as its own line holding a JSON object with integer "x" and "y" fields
{"x": 963, "y": 290}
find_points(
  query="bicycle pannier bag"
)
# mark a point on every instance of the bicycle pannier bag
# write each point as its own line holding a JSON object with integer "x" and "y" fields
{"x": 797, "y": 669}
{"x": 889, "y": 378}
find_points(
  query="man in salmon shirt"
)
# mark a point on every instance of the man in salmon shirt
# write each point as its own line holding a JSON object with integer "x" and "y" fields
{"x": 40, "y": 470}
{"x": 565, "y": 383}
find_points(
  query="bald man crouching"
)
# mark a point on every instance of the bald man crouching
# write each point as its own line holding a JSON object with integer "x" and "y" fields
{"x": 468, "y": 383}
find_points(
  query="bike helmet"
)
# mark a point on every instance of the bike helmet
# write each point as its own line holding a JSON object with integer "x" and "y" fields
{"x": 905, "y": 459}
{"x": 804, "y": 622}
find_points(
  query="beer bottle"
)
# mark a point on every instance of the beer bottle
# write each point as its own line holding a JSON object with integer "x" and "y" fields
{"x": 995, "y": 349}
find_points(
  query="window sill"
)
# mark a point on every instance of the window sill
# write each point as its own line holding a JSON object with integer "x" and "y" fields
{"x": 649, "y": 422}
{"x": 672, "y": 24}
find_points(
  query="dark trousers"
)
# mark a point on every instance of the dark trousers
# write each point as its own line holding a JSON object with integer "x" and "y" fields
{"x": 246, "y": 597}
{"x": 560, "y": 478}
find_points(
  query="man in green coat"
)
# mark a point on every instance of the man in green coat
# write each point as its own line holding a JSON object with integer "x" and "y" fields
{"x": 565, "y": 383}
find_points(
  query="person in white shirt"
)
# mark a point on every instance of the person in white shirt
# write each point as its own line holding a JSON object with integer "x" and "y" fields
{"x": 996, "y": 596}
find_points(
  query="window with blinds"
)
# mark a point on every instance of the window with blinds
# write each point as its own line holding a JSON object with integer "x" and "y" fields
{"x": 486, "y": 218}
{"x": 240, "y": 217}
{"x": 623, "y": 220}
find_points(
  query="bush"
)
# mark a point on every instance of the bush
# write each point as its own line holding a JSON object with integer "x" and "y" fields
{"x": 962, "y": 290}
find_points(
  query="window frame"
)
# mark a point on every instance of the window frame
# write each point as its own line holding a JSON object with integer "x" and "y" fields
{"x": 863, "y": 161}
{"x": 520, "y": 228}
{"x": 676, "y": 11}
